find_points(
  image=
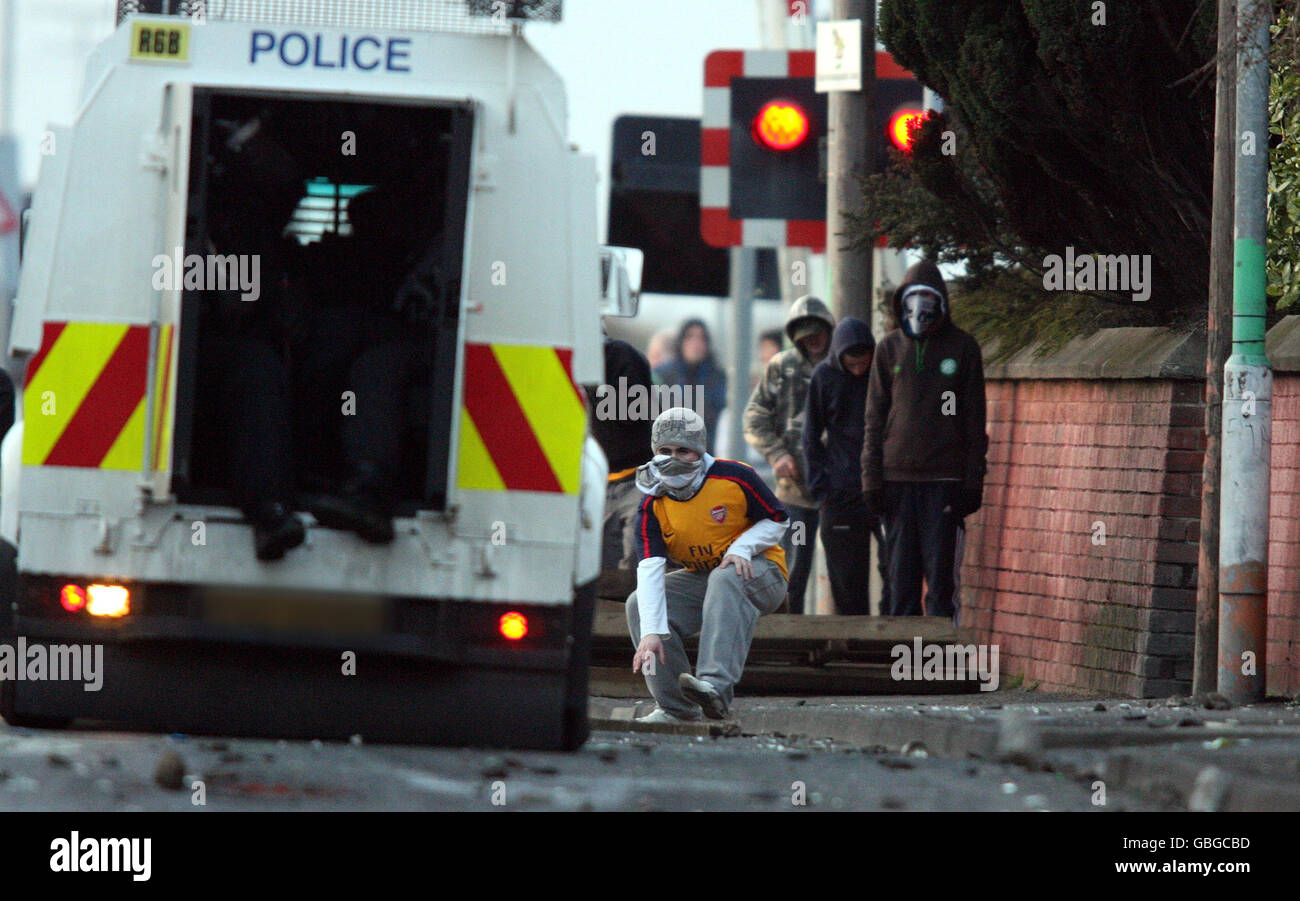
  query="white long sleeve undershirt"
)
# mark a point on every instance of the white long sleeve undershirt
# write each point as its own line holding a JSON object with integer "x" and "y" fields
{"x": 652, "y": 603}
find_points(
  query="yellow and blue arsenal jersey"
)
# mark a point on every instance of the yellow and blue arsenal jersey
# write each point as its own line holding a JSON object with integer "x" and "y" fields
{"x": 696, "y": 533}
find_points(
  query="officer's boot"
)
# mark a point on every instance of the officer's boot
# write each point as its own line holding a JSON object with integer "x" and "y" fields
{"x": 363, "y": 506}
{"x": 275, "y": 529}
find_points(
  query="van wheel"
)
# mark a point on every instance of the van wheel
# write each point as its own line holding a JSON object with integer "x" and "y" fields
{"x": 8, "y": 690}
{"x": 577, "y": 728}
{"x": 23, "y": 721}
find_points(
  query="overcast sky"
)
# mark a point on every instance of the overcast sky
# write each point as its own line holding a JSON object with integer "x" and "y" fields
{"x": 616, "y": 56}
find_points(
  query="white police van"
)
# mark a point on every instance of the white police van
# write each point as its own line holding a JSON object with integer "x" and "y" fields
{"x": 472, "y": 625}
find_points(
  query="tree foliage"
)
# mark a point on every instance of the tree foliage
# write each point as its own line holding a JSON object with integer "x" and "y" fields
{"x": 1069, "y": 130}
{"x": 1284, "y": 163}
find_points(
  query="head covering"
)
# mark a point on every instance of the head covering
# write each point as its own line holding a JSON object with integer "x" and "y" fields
{"x": 930, "y": 317}
{"x": 664, "y": 474}
{"x": 806, "y": 327}
{"x": 680, "y": 426}
{"x": 922, "y": 311}
{"x": 806, "y": 314}
{"x": 852, "y": 334}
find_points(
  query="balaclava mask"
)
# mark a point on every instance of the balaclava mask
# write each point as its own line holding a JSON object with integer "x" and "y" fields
{"x": 922, "y": 311}
{"x": 665, "y": 474}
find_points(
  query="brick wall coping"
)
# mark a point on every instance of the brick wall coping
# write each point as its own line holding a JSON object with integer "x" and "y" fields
{"x": 1113, "y": 353}
{"x": 1283, "y": 345}
{"x": 1137, "y": 353}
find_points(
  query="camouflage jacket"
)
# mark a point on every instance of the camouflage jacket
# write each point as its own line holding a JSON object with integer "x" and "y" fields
{"x": 774, "y": 414}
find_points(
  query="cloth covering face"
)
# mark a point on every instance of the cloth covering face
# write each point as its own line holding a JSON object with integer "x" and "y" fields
{"x": 698, "y": 532}
{"x": 922, "y": 312}
{"x": 676, "y": 478}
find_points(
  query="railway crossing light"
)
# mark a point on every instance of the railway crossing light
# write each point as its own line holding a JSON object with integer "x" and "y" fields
{"x": 900, "y": 128}
{"x": 780, "y": 125}
{"x": 777, "y": 149}
{"x": 899, "y": 105}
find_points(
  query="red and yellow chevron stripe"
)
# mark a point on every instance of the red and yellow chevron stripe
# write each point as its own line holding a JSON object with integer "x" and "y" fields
{"x": 523, "y": 421}
{"x": 84, "y": 400}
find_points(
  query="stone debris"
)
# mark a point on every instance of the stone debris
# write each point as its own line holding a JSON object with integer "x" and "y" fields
{"x": 1212, "y": 700}
{"x": 1210, "y": 791}
{"x": 1019, "y": 740}
{"x": 169, "y": 771}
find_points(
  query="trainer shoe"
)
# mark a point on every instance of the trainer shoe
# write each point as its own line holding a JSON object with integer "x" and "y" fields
{"x": 659, "y": 715}
{"x": 704, "y": 694}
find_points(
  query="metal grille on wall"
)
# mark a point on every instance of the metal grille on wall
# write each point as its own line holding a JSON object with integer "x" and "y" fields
{"x": 463, "y": 16}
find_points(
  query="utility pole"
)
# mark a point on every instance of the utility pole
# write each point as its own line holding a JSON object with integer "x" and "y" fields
{"x": 777, "y": 28}
{"x": 851, "y": 113}
{"x": 1248, "y": 384}
{"x": 1217, "y": 343}
{"x": 744, "y": 267}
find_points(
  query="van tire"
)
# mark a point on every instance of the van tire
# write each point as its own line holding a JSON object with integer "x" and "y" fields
{"x": 9, "y": 690}
{"x": 577, "y": 728}
{"x": 10, "y": 715}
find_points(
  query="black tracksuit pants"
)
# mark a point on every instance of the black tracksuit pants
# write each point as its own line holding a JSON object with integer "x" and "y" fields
{"x": 847, "y": 529}
{"x": 799, "y": 545}
{"x": 921, "y": 539}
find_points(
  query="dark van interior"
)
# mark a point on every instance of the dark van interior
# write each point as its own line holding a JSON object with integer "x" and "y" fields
{"x": 355, "y": 211}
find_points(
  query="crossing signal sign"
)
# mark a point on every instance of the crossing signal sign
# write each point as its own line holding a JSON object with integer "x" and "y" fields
{"x": 763, "y": 144}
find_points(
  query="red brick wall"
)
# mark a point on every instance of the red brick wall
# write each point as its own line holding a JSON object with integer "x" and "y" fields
{"x": 1284, "y": 539}
{"x": 1115, "y": 615}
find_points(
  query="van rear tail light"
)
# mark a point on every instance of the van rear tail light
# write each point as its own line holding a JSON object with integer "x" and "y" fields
{"x": 108, "y": 600}
{"x": 513, "y": 625}
{"x": 73, "y": 598}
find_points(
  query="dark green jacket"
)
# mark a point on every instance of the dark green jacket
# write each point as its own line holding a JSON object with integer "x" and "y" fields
{"x": 925, "y": 418}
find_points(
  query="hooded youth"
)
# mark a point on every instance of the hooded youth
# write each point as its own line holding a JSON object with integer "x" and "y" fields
{"x": 835, "y": 414}
{"x": 774, "y": 414}
{"x": 925, "y": 411}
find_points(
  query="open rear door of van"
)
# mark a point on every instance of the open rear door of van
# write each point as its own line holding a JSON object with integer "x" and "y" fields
{"x": 160, "y": 399}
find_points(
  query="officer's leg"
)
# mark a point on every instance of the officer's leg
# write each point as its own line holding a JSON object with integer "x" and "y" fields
{"x": 621, "y": 500}
{"x": 373, "y": 431}
{"x": 372, "y": 437}
{"x": 634, "y": 497}
{"x": 321, "y": 364}
{"x": 256, "y": 406}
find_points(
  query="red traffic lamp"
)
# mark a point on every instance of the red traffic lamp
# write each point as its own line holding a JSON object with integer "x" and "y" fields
{"x": 781, "y": 125}
{"x": 900, "y": 128}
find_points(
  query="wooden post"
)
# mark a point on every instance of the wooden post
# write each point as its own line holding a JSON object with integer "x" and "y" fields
{"x": 1218, "y": 342}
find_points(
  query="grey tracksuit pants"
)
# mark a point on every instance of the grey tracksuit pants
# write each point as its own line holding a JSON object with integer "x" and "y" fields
{"x": 722, "y": 609}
